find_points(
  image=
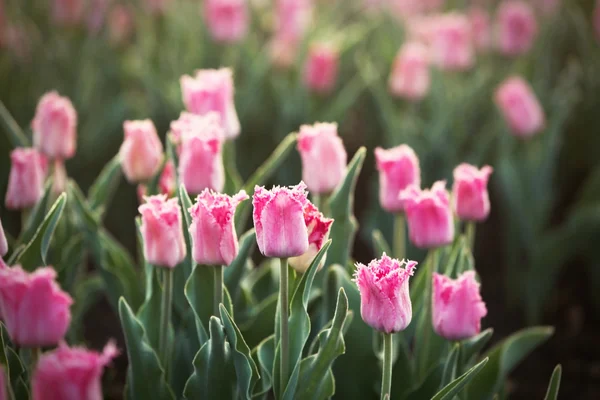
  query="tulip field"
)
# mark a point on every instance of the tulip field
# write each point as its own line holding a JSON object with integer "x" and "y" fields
{"x": 299, "y": 199}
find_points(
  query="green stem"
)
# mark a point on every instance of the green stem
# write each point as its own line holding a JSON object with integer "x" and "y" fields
{"x": 470, "y": 233}
{"x": 316, "y": 200}
{"x": 386, "y": 379}
{"x": 399, "y": 237}
{"x": 284, "y": 315}
{"x": 165, "y": 316}
{"x": 218, "y": 293}
{"x": 24, "y": 218}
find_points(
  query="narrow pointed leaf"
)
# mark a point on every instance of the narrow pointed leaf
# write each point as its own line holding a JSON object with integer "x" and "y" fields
{"x": 105, "y": 186}
{"x": 554, "y": 386}
{"x": 13, "y": 131}
{"x": 454, "y": 387}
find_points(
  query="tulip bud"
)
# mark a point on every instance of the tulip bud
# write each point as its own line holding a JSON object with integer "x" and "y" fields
{"x": 3, "y": 242}
{"x": 26, "y": 179}
{"x": 34, "y": 308}
{"x": 410, "y": 73}
{"x": 451, "y": 43}
{"x": 323, "y": 157}
{"x": 520, "y": 108}
{"x": 430, "y": 221}
{"x": 516, "y": 27}
{"x": 384, "y": 293}
{"x": 471, "y": 199}
{"x": 480, "y": 28}
{"x": 54, "y": 126}
{"x": 457, "y": 307}
{"x": 318, "y": 232}
{"x": 71, "y": 373}
{"x": 279, "y": 220}
{"x": 201, "y": 161}
{"x": 398, "y": 168}
{"x": 227, "y": 20}
{"x": 162, "y": 230}
{"x": 214, "y": 241}
{"x": 321, "y": 68}
{"x": 141, "y": 153}
{"x": 67, "y": 12}
{"x": 212, "y": 90}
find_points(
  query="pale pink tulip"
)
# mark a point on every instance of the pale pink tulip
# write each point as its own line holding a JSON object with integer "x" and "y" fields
{"x": 470, "y": 194}
{"x": 481, "y": 29}
{"x": 451, "y": 43}
{"x": 520, "y": 107}
{"x": 55, "y": 126}
{"x": 410, "y": 73}
{"x": 141, "y": 153}
{"x": 398, "y": 168}
{"x": 227, "y": 20}
{"x": 26, "y": 179}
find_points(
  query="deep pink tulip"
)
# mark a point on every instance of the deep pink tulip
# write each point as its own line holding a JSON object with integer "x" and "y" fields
{"x": 520, "y": 107}
{"x": 212, "y": 90}
{"x": 227, "y": 20}
{"x": 410, "y": 73}
{"x": 318, "y": 228}
{"x": 398, "y": 168}
{"x": 71, "y": 373}
{"x": 321, "y": 68}
{"x": 384, "y": 293}
{"x": 429, "y": 216}
{"x": 278, "y": 215}
{"x": 201, "y": 160}
{"x": 516, "y": 27}
{"x": 323, "y": 157}
{"x": 214, "y": 241}
{"x": 457, "y": 306}
{"x": 141, "y": 153}
{"x": 34, "y": 308}
{"x": 26, "y": 179}
{"x": 55, "y": 126}
{"x": 162, "y": 230}
{"x": 470, "y": 194}
{"x": 452, "y": 43}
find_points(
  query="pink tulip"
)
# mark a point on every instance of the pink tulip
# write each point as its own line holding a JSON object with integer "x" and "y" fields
{"x": 318, "y": 232}
{"x": 141, "y": 153}
{"x": 212, "y": 90}
{"x": 3, "y": 395}
{"x": 34, "y": 308}
{"x": 120, "y": 24}
{"x": 201, "y": 160}
{"x": 520, "y": 107}
{"x": 71, "y": 373}
{"x": 278, "y": 215}
{"x": 384, "y": 293}
{"x": 421, "y": 29}
{"x": 481, "y": 30}
{"x": 26, "y": 179}
{"x": 323, "y": 157}
{"x": 3, "y": 242}
{"x": 321, "y": 68}
{"x": 452, "y": 43}
{"x": 67, "y": 12}
{"x": 162, "y": 230}
{"x": 54, "y": 126}
{"x": 292, "y": 19}
{"x": 471, "y": 199}
{"x": 227, "y": 20}
{"x": 516, "y": 27}
{"x": 167, "y": 183}
{"x": 186, "y": 122}
{"x": 457, "y": 306}
{"x": 398, "y": 168}
{"x": 214, "y": 241}
{"x": 410, "y": 73}
{"x": 429, "y": 216}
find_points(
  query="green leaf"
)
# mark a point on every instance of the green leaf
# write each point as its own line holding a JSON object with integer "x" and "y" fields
{"x": 451, "y": 366}
{"x": 259, "y": 320}
{"x": 454, "y": 387}
{"x": 299, "y": 327}
{"x": 146, "y": 377}
{"x": 245, "y": 368}
{"x": 554, "y": 386}
{"x": 199, "y": 291}
{"x": 184, "y": 269}
{"x": 234, "y": 272}
{"x": 379, "y": 243}
{"x": 13, "y": 131}
{"x": 427, "y": 387}
{"x": 151, "y": 309}
{"x": 37, "y": 215}
{"x": 105, "y": 186}
{"x": 35, "y": 252}
{"x": 214, "y": 372}
{"x": 261, "y": 175}
{"x": 315, "y": 370}
{"x": 264, "y": 354}
{"x": 503, "y": 358}
{"x": 87, "y": 293}
{"x": 341, "y": 204}
{"x": 469, "y": 348}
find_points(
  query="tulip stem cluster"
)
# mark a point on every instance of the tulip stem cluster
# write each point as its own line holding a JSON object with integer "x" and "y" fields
{"x": 218, "y": 295}
{"x": 386, "y": 379}
{"x": 165, "y": 315}
{"x": 399, "y": 249}
{"x": 284, "y": 331}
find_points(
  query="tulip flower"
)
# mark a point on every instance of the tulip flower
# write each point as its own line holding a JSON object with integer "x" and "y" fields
{"x": 54, "y": 126}
{"x": 141, "y": 153}
{"x": 451, "y": 43}
{"x": 481, "y": 30}
{"x": 520, "y": 107}
{"x": 457, "y": 307}
{"x": 410, "y": 73}
{"x": 398, "y": 168}
{"x": 318, "y": 232}
{"x": 227, "y": 20}
{"x": 471, "y": 199}
{"x": 323, "y": 157}
{"x": 26, "y": 179}
{"x": 516, "y": 27}
{"x": 321, "y": 68}
{"x": 34, "y": 308}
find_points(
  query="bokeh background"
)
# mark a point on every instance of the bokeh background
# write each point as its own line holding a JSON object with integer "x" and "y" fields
{"x": 538, "y": 251}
